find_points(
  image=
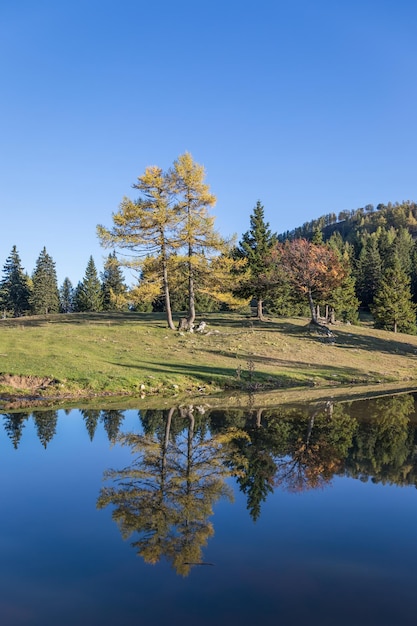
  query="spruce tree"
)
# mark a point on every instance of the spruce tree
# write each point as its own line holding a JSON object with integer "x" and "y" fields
{"x": 393, "y": 308}
{"x": 343, "y": 302}
{"x": 88, "y": 294}
{"x": 113, "y": 286}
{"x": 369, "y": 271}
{"x": 14, "y": 287}
{"x": 45, "y": 297}
{"x": 255, "y": 246}
{"x": 66, "y": 296}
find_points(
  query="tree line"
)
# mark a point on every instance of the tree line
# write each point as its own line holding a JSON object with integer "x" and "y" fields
{"x": 39, "y": 294}
{"x": 327, "y": 269}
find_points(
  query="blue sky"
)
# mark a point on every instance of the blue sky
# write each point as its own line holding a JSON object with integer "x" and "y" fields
{"x": 309, "y": 106}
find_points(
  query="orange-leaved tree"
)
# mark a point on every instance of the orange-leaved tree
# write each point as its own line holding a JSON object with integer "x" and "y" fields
{"x": 313, "y": 269}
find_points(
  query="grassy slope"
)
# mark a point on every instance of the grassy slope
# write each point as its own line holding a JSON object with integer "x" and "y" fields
{"x": 137, "y": 354}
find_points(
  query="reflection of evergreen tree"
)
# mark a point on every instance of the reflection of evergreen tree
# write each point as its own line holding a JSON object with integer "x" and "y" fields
{"x": 13, "y": 425}
{"x": 45, "y": 424}
{"x": 256, "y": 472}
{"x": 91, "y": 417}
{"x": 112, "y": 421}
{"x": 384, "y": 444}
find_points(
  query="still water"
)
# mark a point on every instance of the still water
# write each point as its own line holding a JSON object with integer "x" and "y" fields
{"x": 285, "y": 516}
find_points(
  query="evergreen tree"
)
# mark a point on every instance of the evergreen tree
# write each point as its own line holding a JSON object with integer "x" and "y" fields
{"x": 255, "y": 247}
{"x": 14, "y": 287}
{"x": 88, "y": 294}
{"x": 66, "y": 297}
{"x": 392, "y": 307}
{"x": 403, "y": 248}
{"x": 342, "y": 301}
{"x": 369, "y": 271}
{"x": 113, "y": 287}
{"x": 44, "y": 297}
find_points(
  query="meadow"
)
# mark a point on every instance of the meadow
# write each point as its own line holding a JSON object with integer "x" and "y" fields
{"x": 102, "y": 354}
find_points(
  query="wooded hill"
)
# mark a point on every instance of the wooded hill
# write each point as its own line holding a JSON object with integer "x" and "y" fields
{"x": 379, "y": 247}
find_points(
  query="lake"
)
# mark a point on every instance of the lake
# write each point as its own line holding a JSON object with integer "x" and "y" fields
{"x": 292, "y": 515}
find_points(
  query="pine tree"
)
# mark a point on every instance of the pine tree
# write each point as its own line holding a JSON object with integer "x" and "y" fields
{"x": 113, "y": 287}
{"x": 66, "y": 296}
{"x": 14, "y": 287}
{"x": 393, "y": 308}
{"x": 369, "y": 271}
{"x": 88, "y": 294}
{"x": 44, "y": 297}
{"x": 342, "y": 301}
{"x": 255, "y": 247}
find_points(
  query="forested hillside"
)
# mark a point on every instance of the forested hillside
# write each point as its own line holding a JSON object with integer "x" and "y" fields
{"x": 379, "y": 249}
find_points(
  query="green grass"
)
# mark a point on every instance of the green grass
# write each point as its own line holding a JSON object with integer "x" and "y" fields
{"x": 135, "y": 354}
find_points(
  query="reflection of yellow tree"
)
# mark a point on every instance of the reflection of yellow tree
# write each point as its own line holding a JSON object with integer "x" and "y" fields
{"x": 316, "y": 452}
{"x": 167, "y": 494}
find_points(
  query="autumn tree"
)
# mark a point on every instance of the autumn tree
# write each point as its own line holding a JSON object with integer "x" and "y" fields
{"x": 197, "y": 236}
{"x": 313, "y": 270}
{"x": 147, "y": 227}
{"x": 255, "y": 246}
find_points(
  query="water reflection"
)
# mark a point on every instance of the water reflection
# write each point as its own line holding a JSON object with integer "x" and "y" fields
{"x": 166, "y": 496}
{"x": 181, "y": 457}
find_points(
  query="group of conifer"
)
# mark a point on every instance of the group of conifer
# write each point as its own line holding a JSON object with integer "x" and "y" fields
{"x": 39, "y": 294}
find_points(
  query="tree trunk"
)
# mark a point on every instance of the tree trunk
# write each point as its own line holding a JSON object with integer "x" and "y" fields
{"x": 191, "y": 294}
{"x": 259, "y": 417}
{"x": 166, "y": 293}
{"x": 259, "y": 310}
{"x": 312, "y": 307}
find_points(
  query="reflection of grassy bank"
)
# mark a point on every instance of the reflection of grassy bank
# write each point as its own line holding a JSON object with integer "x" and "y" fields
{"x": 101, "y": 354}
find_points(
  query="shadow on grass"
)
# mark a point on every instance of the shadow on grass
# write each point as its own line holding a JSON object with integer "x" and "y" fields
{"x": 224, "y": 376}
{"x": 247, "y": 374}
{"x": 388, "y": 345}
{"x": 315, "y": 369}
{"x": 105, "y": 318}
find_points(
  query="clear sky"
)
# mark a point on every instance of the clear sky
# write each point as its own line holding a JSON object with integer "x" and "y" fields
{"x": 306, "y": 105}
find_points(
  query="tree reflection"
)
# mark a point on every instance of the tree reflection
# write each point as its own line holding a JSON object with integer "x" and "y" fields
{"x": 112, "y": 421}
{"x": 256, "y": 443}
{"x": 385, "y": 446}
{"x": 317, "y": 448}
{"x": 45, "y": 424}
{"x": 14, "y": 424}
{"x": 166, "y": 496}
{"x": 90, "y": 417}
